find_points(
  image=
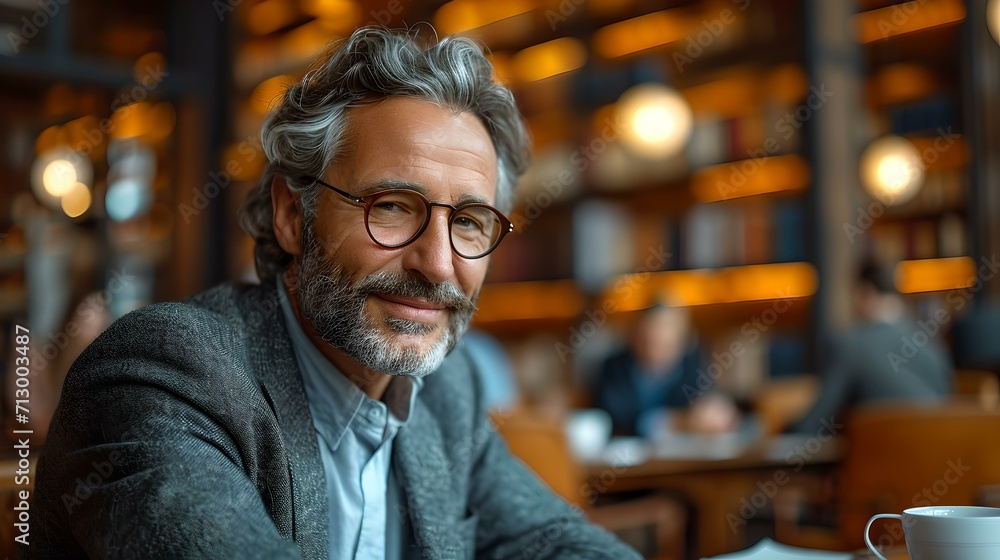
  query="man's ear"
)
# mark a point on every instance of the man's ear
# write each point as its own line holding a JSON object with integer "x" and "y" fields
{"x": 287, "y": 216}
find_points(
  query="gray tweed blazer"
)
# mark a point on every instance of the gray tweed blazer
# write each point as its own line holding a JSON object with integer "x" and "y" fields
{"x": 183, "y": 432}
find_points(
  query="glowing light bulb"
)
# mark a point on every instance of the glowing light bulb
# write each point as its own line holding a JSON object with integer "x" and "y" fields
{"x": 892, "y": 170}
{"x": 76, "y": 201}
{"x": 59, "y": 177}
{"x": 659, "y": 120}
{"x": 56, "y": 172}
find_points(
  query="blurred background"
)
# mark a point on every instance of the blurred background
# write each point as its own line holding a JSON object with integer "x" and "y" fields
{"x": 732, "y": 161}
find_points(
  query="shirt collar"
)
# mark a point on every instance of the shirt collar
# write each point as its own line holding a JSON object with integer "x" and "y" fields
{"x": 333, "y": 400}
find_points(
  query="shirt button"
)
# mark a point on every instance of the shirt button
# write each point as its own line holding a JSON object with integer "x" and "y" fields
{"x": 375, "y": 413}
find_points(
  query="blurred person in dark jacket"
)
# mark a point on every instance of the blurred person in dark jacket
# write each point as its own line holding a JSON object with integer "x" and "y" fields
{"x": 652, "y": 385}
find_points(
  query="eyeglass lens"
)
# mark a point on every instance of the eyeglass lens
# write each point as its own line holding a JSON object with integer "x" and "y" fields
{"x": 395, "y": 217}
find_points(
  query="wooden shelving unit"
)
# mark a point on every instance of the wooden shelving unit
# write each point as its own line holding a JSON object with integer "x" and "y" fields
{"x": 913, "y": 68}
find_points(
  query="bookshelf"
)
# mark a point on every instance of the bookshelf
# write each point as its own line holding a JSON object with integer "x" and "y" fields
{"x": 721, "y": 229}
{"x": 913, "y": 88}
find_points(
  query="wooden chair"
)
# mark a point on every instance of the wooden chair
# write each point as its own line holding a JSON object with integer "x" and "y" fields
{"x": 983, "y": 386}
{"x": 783, "y": 401}
{"x": 906, "y": 456}
{"x": 901, "y": 456}
{"x": 540, "y": 442}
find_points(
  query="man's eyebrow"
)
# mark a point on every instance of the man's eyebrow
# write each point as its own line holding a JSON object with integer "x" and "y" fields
{"x": 470, "y": 199}
{"x": 386, "y": 184}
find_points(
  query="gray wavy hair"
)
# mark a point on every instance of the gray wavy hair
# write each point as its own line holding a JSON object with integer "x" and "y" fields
{"x": 304, "y": 134}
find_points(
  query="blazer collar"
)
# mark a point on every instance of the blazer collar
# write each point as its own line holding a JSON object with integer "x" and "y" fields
{"x": 270, "y": 355}
{"x": 427, "y": 477}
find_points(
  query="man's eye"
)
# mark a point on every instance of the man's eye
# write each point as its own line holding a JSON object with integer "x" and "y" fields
{"x": 393, "y": 206}
{"x": 466, "y": 222}
{"x": 386, "y": 207}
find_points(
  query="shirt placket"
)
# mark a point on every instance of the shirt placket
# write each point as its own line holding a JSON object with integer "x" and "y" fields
{"x": 371, "y": 541}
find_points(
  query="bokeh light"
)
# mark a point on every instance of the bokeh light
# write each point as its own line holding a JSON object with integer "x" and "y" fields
{"x": 59, "y": 177}
{"x": 76, "y": 201}
{"x": 55, "y": 173}
{"x": 993, "y": 18}
{"x": 658, "y": 120}
{"x": 127, "y": 199}
{"x": 892, "y": 170}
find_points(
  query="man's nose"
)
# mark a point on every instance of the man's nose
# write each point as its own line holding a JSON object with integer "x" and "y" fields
{"x": 430, "y": 257}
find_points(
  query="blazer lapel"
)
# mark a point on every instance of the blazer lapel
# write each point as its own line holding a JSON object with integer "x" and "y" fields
{"x": 274, "y": 363}
{"x": 428, "y": 483}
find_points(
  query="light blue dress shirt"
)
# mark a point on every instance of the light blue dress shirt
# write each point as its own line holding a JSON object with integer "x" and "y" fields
{"x": 355, "y": 442}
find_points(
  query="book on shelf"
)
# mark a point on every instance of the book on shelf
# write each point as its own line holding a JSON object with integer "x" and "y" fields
{"x": 789, "y": 231}
{"x": 757, "y": 231}
{"x": 743, "y": 232}
{"x": 925, "y": 238}
{"x": 704, "y": 236}
{"x": 603, "y": 243}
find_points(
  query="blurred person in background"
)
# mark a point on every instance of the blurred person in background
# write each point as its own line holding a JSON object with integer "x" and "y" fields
{"x": 322, "y": 414}
{"x": 65, "y": 314}
{"x": 651, "y": 386}
{"x": 877, "y": 360}
{"x": 492, "y": 365}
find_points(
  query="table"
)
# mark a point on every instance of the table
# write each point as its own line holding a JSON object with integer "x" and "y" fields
{"x": 865, "y": 555}
{"x": 727, "y": 478}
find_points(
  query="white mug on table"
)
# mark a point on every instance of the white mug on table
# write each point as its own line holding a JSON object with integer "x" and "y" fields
{"x": 947, "y": 532}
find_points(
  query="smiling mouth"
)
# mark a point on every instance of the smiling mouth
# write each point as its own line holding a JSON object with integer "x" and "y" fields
{"x": 411, "y": 308}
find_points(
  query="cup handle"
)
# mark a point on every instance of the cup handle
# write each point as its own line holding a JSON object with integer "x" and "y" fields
{"x": 868, "y": 529}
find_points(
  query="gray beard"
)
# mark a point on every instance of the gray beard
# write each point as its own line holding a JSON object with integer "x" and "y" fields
{"x": 334, "y": 306}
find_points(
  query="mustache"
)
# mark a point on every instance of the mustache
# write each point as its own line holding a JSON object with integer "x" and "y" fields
{"x": 402, "y": 285}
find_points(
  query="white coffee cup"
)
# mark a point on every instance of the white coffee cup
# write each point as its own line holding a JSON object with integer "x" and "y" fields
{"x": 947, "y": 532}
{"x": 588, "y": 431}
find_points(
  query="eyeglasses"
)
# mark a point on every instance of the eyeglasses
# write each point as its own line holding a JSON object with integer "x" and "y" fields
{"x": 397, "y": 217}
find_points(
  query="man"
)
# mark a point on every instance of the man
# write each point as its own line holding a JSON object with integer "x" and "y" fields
{"x": 871, "y": 363}
{"x": 320, "y": 415}
{"x": 651, "y": 387}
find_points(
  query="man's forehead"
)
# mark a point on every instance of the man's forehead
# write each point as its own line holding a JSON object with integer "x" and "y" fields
{"x": 420, "y": 121}
{"x": 413, "y": 136}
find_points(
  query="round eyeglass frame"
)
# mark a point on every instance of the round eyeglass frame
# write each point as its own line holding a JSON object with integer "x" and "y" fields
{"x": 368, "y": 200}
